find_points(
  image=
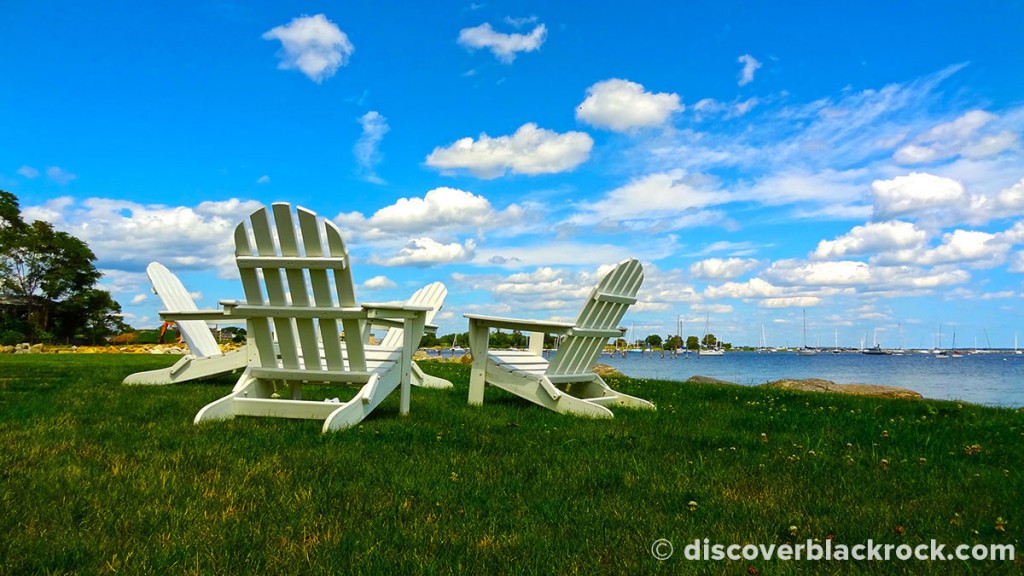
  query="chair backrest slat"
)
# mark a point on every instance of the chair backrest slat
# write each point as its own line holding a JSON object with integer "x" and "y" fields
{"x": 258, "y": 328}
{"x": 277, "y": 294}
{"x": 330, "y": 336}
{"x": 577, "y": 354}
{"x": 346, "y": 291}
{"x": 297, "y": 289}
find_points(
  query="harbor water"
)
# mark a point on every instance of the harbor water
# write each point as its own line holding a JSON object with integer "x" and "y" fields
{"x": 995, "y": 379}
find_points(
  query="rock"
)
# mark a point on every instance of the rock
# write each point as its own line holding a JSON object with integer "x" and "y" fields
{"x": 606, "y": 370}
{"x": 696, "y": 379}
{"x": 819, "y": 385}
{"x": 420, "y": 355}
{"x": 36, "y": 349}
{"x": 6, "y": 349}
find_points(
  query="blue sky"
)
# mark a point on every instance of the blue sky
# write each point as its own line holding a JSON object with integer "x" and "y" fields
{"x": 862, "y": 162}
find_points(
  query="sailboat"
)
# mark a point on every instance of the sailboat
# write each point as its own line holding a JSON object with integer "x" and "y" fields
{"x": 899, "y": 351}
{"x": 875, "y": 350}
{"x": 679, "y": 332}
{"x": 633, "y": 347}
{"x": 836, "y": 350}
{"x": 955, "y": 353}
{"x": 939, "y": 352}
{"x": 805, "y": 351}
{"x": 716, "y": 351}
{"x": 1015, "y": 351}
{"x": 763, "y": 345}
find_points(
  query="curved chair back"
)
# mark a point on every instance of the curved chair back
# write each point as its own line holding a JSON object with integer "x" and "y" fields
{"x": 304, "y": 266}
{"x": 432, "y": 295}
{"x": 175, "y": 298}
{"x": 599, "y": 319}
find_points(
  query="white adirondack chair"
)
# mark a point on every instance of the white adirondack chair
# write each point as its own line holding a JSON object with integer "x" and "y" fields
{"x": 299, "y": 298}
{"x": 432, "y": 296}
{"x": 566, "y": 383}
{"x": 205, "y": 358}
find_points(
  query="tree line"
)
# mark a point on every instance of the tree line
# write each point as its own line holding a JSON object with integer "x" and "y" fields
{"x": 516, "y": 339}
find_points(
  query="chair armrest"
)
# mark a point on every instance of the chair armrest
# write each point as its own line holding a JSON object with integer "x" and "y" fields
{"x": 386, "y": 323}
{"x": 244, "y": 311}
{"x": 182, "y": 315}
{"x": 544, "y": 326}
{"x": 394, "y": 311}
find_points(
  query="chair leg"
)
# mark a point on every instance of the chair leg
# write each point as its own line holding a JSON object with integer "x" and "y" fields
{"x": 478, "y": 345}
{"x": 424, "y": 380}
{"x": 355, "y": 410}
{"x": 190, "y": 367}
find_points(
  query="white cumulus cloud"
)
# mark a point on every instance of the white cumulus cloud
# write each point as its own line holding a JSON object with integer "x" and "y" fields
{"x": 425, "y": 252}
{"x": 790, "y": 302}
{"x": 838, "y": 273}
{"x": 313, "y": 44}
{"x": 753, "y": 288}
{"x": 531, "y": 150}
{"x": 503, "y": 46}
{"x": 202, "y": 234}
{"x": 967, "y": 246}
{"x": 378, "y": 283}
{"x": 872, "y": 238}
{"x": 672, "y": 199}
{"x": 444, "y": 211}
{"x": 621, "y": 106}
{"x": 1011, "y": 199}
{"x": 971, "y": 248}
{"x": 916, "y": 193}
{"x": 724, "y": 269}
{"x": 750, "y": 65}
{"x": 544, "y": 289}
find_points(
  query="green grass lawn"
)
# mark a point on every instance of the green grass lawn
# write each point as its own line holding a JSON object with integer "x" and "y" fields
{"x": 97, "y": 477}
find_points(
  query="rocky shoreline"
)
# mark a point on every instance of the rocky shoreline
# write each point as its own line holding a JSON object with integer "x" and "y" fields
{"x": 176, "y": 348}
{"x": 821, "y": 385}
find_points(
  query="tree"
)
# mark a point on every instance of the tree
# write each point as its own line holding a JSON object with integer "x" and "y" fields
{"x": 673, "y": 342}
{"x": 692, "y": 343}
{"x": 89, "y": 316}
{"x": 235, "y": 333}
{"x": 47, "y": 280}
{"x": 709, "y": 341}
{"x": 653, "y": 340}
